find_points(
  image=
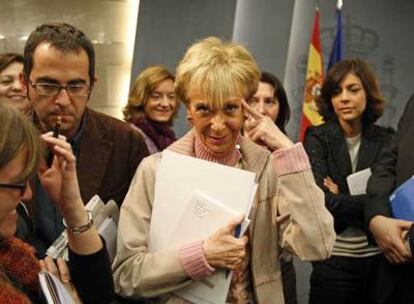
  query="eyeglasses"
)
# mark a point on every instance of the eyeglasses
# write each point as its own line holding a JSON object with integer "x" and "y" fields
{"x": 22, "y": 186}
{"x": 158, "y": 96}
{"x": 53, "y": 89}
{"x": 267, "y": 101}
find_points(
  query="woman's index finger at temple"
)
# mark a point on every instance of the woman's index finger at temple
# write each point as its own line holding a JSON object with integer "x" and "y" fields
{"x": 252, "y": 112}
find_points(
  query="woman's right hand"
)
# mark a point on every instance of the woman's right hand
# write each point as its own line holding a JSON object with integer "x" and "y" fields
{"x": 262, "y": 130}
{"x": 222, "y": 249}
{"x": 331, "y": 185}
{"x": 60, "y": 180}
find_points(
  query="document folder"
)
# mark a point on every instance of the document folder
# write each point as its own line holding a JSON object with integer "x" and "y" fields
{"x": 402, "y": 201}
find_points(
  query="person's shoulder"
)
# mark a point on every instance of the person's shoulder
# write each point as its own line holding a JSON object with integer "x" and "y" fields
{"x": 325, "y": 126}
{"x": 382, "y": 131}
{"x": 149, "y": 164}
{"x": 114, "y": 127}
{"x": 153, "y": 159}
{"x": 385, "y": 130}
{"x": 320, "y": 130}
{"x": 108, "y": 121}
{"x": 410, "y": 103}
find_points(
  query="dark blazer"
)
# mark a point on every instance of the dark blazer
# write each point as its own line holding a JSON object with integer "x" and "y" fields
{"x": 109, "y": 154}
{"x": 329, "y": 156}
{"x": 395, "y": 165}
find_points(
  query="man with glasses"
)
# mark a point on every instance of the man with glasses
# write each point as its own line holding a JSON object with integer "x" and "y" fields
{"x": 59, "y": 74}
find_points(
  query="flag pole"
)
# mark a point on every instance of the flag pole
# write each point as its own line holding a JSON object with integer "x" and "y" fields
{"x": 337, "y": 53}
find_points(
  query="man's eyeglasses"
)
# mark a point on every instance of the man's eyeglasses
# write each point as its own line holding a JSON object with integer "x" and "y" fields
{"x": 53, "y": 89}
{"x": 19, "y": 186}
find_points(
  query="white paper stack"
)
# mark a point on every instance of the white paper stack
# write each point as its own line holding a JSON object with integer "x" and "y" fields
{"x": 109, "y": 231}
{"x": 357, "y": 182}
{"x": 53, "y": 289}
{"x": 105, "y": 219}
{"x": 201, "y": 218}
{"x": 193, "y": 199}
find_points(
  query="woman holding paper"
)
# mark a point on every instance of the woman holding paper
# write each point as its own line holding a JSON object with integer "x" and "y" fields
{"x": 348, "y": 142}
{"x": 213, "y": 80}
{"x": 19, "y": 157}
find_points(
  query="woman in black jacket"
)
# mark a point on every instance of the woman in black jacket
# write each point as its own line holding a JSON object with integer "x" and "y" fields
{"x": 349, "y": 141}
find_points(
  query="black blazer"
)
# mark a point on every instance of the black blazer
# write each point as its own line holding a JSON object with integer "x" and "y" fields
{"x": 329, "y": 156}
{"x": 395, "y": 165}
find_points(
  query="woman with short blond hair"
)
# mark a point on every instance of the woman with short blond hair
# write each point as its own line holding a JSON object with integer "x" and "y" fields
{"x": 212, "y": 80}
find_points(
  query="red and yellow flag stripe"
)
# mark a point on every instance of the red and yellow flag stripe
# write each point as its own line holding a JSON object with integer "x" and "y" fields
{"x": 314, "y": 79}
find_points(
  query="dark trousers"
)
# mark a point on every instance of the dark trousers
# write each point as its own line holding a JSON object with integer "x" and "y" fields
{"x": 289, "y": 281}
{"x": 395, "y": 283}
{"x": 344, "y": 280}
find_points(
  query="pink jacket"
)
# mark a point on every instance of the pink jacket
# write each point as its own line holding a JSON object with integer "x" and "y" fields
{"x": 289, "y": 213}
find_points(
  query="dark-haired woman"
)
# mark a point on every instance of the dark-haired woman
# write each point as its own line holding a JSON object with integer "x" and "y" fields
{"x": 270, "y": 100}
{"x": 349, "y": 141}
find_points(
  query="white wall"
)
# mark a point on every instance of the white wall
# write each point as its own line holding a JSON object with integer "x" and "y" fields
{"x": 96, "y": 18}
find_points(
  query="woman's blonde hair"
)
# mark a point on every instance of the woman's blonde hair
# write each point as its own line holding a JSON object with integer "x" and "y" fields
{"x": 17, "y": 133}
{"x": 144, "y": 85}
{"x": 216, "y": 70}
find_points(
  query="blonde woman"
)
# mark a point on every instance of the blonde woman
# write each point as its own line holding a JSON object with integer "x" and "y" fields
{"x": 213, "y": 80}
{"x": 152, "y": 107}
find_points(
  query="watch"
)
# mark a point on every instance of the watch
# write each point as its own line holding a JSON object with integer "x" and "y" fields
{"x": 80, "y": 229}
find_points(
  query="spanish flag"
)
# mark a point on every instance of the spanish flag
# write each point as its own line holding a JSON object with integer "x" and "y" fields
{"x": 314, "y": 79}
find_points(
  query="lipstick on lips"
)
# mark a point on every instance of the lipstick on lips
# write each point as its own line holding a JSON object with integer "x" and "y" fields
{"x": 56, "y": 132}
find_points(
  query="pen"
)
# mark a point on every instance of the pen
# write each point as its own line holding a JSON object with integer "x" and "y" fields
{"x": 56, "y": 132}
{"x": 237, "y": 231}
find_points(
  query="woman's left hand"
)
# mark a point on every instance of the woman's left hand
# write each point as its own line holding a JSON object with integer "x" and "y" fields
{"x": 262, "y": 130}
{"x": 60, "y": 180}
{"x": 61, "y": 271}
